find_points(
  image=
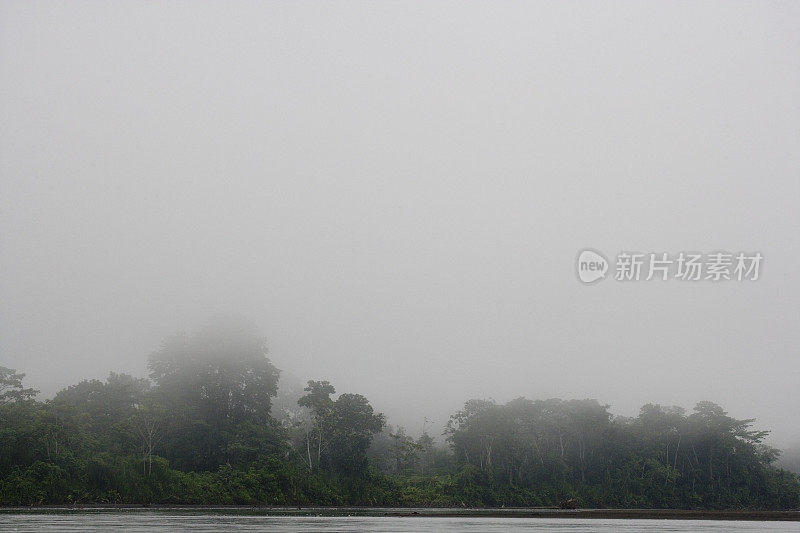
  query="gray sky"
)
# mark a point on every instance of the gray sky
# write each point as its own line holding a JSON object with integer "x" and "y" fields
{"x": 396, "y": 194}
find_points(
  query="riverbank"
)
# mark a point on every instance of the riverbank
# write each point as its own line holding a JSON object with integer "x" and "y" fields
{"x": 624, "y": 514}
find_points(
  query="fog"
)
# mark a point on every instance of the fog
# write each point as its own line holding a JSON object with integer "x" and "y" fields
{"x": 395, "y": 193}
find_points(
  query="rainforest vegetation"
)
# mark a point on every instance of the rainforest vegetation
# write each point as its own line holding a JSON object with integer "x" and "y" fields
{"x": 206, "y": 428}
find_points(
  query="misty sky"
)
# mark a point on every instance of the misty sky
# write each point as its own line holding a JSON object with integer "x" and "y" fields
{"x": 396, "y": 192}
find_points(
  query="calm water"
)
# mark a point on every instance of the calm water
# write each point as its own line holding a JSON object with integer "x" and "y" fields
{"x": 199, "y": 522}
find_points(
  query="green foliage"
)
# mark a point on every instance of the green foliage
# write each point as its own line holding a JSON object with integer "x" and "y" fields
{"x": 11, "y": 389}
{"x": 337, "y": 433}
{"x": 215, "y": 386}
{"x": 202, "y": 434}
{"x": 574, "y": 449}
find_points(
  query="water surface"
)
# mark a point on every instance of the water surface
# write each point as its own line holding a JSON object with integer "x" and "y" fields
{"x": 201, "y": 522}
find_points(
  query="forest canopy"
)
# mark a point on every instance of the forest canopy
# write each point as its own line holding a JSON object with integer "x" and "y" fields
{"x": 203, "y": 430}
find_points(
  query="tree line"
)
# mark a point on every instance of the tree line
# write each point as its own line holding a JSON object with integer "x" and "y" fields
{"x": 204, "y": 429}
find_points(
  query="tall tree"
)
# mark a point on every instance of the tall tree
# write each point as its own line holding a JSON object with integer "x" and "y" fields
{"x": 319, "y": 424}
{"x": 11, "y": 389}
{"x": 213, "y": 382}
{"x": 340, "y": 431}
{"x": 354, "y": 423}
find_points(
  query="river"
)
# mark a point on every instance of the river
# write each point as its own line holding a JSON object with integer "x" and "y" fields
{"x": 197, "y": 522}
